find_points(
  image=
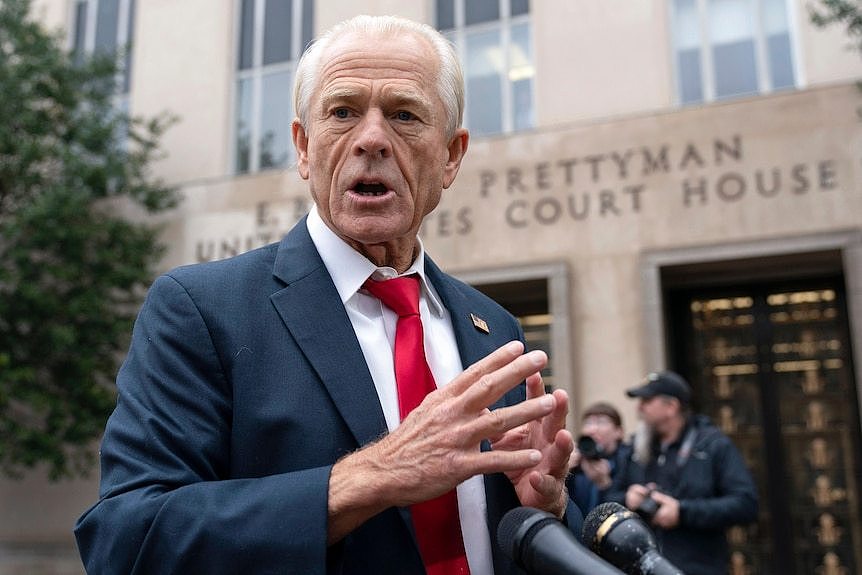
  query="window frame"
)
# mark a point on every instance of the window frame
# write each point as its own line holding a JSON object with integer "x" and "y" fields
{"x": 759, "y": 38}
{"x": 504, "y": 26}
{"x": 125, "y": 33}
{"x": 255, "y": 73}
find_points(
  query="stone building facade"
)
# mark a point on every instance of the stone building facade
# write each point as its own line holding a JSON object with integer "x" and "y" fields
{"x": 633, "y": 217}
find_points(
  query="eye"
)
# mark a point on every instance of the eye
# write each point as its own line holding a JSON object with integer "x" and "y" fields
{"x": 341, "y": 113}
{"x": 404, "y": 116}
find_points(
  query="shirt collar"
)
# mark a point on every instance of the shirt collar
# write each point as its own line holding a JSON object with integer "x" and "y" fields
{"x": 349, "y": 269}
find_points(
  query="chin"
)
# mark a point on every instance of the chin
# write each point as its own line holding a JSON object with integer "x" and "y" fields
{"x": 374, "y": 230}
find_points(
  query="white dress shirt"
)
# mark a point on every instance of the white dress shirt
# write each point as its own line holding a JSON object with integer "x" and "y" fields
{"x": 374, "y": 325}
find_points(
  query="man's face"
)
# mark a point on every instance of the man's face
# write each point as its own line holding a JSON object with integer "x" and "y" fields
{"x": 603, "y": 430}
{"x": 375, "y": 152}
{"x": 656, "y": 410}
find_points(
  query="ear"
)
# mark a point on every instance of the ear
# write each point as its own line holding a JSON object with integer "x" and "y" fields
{"x": 300, "y": 142}
{"x": 456, "y": 149}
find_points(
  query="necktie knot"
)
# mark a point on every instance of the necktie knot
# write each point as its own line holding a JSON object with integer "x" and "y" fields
{"x": 401, "y": 295}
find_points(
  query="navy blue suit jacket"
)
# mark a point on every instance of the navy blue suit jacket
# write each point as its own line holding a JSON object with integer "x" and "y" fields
{"x": 243, "y": 385}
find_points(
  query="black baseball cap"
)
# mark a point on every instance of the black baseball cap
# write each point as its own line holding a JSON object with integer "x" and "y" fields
{"x": 663, "y": 383}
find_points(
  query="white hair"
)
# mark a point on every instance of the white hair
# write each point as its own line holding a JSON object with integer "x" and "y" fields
{"x": 450, "y": 79}
{"x": 642, "y": 443}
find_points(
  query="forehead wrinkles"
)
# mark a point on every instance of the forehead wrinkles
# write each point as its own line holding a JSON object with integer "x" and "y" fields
{"x": 356, "y": 56}
{"x": 403, "y": 79}
{"x": 368, "y": 64}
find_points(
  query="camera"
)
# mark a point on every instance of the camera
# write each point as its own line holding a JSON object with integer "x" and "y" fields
{"x": 648, "y": 508}
{"x": 589, "y": 448}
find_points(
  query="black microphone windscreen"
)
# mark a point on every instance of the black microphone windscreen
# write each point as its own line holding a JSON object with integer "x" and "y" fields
{"x": 541, "y": 544}
{"x": 513, "y": 526}
{"x": 595, "y": 518}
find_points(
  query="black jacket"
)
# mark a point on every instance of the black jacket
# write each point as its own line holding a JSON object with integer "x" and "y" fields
{"x": 715, "y": 491}
{"x": 584, "y": 492}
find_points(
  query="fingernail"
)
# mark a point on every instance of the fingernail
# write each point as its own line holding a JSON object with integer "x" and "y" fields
{"x": 548, "y": 401}
{"x": 537, "y": 357}
{"x": 514, "y": 346}
{"x": 535, "y": 456}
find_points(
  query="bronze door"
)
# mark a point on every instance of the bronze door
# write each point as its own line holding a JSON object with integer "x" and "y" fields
{"x": 771, "y": 365}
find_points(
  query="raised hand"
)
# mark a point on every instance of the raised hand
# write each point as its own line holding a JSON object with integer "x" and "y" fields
{"x": 541, "y": 485}
{"x": 436, "y": 447}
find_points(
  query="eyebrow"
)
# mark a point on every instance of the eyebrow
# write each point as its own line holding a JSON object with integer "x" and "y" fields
{"x": 395, "y": 96}
{"x": 411, "y": 99}
{"x": 338, "y": 93}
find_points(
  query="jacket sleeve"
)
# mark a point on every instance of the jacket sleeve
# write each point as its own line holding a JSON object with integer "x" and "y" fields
{"x": 735, "y": 495}
{"x": 167, "y": 503}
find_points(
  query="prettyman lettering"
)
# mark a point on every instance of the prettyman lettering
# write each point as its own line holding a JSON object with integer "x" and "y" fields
{"x": 611, "y": 166}
{"x": 604, "y": 187}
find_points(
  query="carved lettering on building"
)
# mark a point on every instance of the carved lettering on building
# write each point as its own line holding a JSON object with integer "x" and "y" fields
{"x": 620, "y": 183}
{"x": 603, "y": 186}
{"x": 269, "y": 226}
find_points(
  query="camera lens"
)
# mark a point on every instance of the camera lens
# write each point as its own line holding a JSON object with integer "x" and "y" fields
{"x": 589, "y": 448}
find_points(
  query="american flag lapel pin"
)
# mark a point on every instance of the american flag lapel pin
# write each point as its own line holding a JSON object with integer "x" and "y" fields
{"x": 480, "y": 323}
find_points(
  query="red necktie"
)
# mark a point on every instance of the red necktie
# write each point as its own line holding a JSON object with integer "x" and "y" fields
{"x": 436, "y": 523}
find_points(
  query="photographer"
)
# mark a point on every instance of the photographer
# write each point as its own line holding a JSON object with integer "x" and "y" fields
{"x": 597, "y": 457}
{"x": 685, "y": 478}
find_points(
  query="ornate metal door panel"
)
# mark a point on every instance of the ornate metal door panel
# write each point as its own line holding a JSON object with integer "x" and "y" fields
{"x": 771, "y": 364}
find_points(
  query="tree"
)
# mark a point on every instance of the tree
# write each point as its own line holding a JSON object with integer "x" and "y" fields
{"x": 846, "y": 12}
{"x": 72, "y": 267}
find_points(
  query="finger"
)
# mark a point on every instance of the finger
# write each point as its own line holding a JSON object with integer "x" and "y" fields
{"x": 490, "y": 387}
{"x": 501, "y": 461}
{"x": 557, "y": 419}
{"x": 488, "y": 364}
{"x": 547, "y": 486}
{"x": 558, "y": 455}
{"x": 535, "y": 386}
{"x": 494, "y": 425}
{"x": 514, "y": 439}
{"x": 638, "y": 489}
{"x": 574, "y": 458}
{"x": 661, "y": 498}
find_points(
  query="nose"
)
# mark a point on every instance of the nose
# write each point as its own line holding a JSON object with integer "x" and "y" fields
{"x": 373, "y": 138}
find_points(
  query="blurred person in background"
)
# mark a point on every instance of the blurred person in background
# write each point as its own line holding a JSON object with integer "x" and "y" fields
{"x": 685, "y": 478}
{"x": 600, "y": 452}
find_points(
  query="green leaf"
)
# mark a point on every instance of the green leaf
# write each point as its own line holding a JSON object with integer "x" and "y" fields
{"x": 72, "y": 268}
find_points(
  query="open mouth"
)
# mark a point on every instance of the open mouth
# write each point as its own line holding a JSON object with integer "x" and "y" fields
{"x": 370, "y": 189}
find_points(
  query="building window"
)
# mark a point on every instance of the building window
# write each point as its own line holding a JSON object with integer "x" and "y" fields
{"x": 272, "y": 36}
{"x": 494, "y": 42}
{"x": 106, "y": 26}
{"x": 731, "y": 48}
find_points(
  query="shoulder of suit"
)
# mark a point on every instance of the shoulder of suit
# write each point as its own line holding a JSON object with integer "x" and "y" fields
{"x": 235, "y": 270}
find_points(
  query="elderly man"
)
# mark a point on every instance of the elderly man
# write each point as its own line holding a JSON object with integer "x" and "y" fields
{"x": 305, "y": 407}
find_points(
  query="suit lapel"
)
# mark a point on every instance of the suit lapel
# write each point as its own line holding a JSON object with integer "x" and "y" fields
{"x": 312, "y": 311}
{"x": 473, "y": 345}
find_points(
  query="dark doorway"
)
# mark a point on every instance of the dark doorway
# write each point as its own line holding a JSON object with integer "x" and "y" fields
{"x": 766, "y": 346}
{"x": 527, "y": 300}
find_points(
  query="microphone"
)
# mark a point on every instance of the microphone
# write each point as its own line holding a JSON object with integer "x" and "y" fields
{"x": 541, "y": 545}
{"x": 621, "y": 537}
